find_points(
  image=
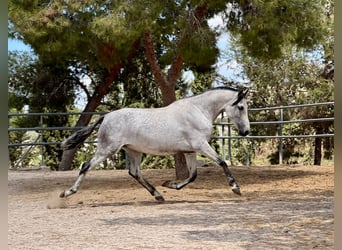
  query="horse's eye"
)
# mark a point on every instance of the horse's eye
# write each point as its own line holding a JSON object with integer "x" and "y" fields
{"x": 240, "y": 108}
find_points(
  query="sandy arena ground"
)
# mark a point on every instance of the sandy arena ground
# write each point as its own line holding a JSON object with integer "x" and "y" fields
{"x": 280, "y": 208}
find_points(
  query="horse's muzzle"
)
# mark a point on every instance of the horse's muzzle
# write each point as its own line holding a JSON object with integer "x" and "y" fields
{"x": 243, "y": 133}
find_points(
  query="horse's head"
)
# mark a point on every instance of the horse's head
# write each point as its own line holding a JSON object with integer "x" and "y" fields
{"x": 238, "y": 113}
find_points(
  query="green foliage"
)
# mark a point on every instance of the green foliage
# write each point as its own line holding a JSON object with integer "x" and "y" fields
{"x": 292, "y": 80}
{"x": 267, "y": 28}
{"x": 297, "y": 77}
{"x": 203, "y": 81}
{"x": 243, "y": 152}
{"x": 139, "y": 87}
{"x": 157, "y": 162}
{"x": 74, "y": 38}
{"x": 199, "y": 49}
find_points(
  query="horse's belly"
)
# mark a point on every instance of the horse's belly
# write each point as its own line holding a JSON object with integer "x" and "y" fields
{"x": 166, "y": 145}
{"x": 150, "y": 150}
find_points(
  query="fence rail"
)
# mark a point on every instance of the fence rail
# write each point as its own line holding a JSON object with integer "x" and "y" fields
{"x": 280, "y": 122}
{"x": 224, "y": 126}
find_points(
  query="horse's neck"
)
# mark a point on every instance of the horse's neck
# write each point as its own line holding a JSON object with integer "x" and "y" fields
{"x": 212, "y": 104}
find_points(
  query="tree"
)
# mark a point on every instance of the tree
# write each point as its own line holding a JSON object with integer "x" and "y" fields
{"x": 263, "y": 29}
{"x": 187, "y": 43}
{"x": 109, "y": 33}
{"x": 67, "y": 33}
{"x": 266, "y": 29}
{"x": 175, "y": 36}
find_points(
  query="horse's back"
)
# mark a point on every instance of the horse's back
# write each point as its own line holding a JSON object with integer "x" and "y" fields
{"x": 159, "y": 131}
{"x": 132, "y": 122}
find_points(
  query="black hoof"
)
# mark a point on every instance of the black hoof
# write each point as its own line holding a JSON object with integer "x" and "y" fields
{"x": 62, "y": 195}
{"x": 159, "y": 198}
{"x": 166, "y": 184}
{"x": 170, "y": 184}
{"x": 236, "y": 190}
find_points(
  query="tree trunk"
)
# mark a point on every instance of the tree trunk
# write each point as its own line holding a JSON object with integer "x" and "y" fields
{"x": 100, "y": 91}
{"x": 167, "y": 82}
{"x": 93, "y": 103}
{"x": 318, "y": 147}
{"x": 318, "y": 151}
{"x": 181, "y": 168}
{"x": 169, "y": 96}
{"x": 167, "y": 86}
{"x": 182, "y": 172}
{"x": 328, "y": 148}
{"x": 66, "y": 161}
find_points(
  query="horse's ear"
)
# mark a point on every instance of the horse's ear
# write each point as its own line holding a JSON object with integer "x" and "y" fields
{"x": 242, "y": 93}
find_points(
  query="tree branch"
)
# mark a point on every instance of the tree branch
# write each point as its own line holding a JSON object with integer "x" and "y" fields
{"x": 167, "y": 83}
{"x": 84, "y": 88}
{"x": 175, "y": 69}
{"x": 194, "y": 22}
{"x": 153, "y": 61}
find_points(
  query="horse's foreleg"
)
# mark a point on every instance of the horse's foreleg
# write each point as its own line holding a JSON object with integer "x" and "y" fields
{"x": 191, "y": 164}
{"x": 209, "y": 152}
{"x": 231, "y": 180}
{"x": 134, "y": 171}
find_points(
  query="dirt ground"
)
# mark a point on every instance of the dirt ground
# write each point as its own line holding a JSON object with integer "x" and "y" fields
{"x": 280, "y": 208}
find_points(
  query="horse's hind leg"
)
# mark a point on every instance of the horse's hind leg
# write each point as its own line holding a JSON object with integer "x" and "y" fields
{"x": 98, "y": 157}
{"x": 191, "y": 164}
{"x": 209, "y": 152}
{"x": 134, "y": 171}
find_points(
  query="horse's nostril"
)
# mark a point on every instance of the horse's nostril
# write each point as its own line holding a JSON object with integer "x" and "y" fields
{"x": 244, "y": 133}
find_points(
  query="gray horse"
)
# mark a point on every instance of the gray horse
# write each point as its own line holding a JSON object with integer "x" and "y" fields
{"x": 183, "y": 126}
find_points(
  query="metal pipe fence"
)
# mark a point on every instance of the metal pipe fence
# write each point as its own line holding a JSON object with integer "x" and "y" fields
{"x": 280, "y": 122}
{"x": 225, "y": 128}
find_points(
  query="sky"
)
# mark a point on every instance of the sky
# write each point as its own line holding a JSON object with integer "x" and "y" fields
{"x": 17, "y": 45}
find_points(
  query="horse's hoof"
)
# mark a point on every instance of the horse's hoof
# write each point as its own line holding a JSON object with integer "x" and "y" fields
{"x": 166, "y": 183}
{"x": 170, "y": 184}
{"x": 67, "y": 193}
{"x": 62, "y": 195}
{"x": 159, "y": 198}
{"x": 236, "y": 190}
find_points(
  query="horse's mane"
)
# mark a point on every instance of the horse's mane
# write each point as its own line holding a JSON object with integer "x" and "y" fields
{"x": 212, "y": 89}
{"x": 218, "y": 88}
{"x": 224, "y": 87}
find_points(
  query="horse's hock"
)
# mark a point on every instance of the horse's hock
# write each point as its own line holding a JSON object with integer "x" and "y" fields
{"x": 280, "y": 208}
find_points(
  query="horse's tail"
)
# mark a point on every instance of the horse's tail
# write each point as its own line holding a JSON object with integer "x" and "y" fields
{"x": 79, "y": 136}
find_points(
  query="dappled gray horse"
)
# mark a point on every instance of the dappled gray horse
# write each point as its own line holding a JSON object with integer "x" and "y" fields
{"x": 184, "y": 126}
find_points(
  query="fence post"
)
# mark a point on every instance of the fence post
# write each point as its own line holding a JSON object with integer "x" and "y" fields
{"x": 248, "y": 158}
{"x": 223, "y": 141}
{"x": 229, "y": 144}
{"x": 42, "y": 162}
{"x": 281, "y": 134}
